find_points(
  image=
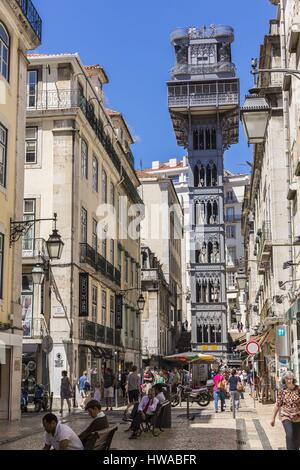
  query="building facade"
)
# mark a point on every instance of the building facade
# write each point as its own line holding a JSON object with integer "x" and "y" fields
{"x": 203, "y": 100}
{"x": 155, "y": 323}
{"x": 78, "y": 165}
{"x": 234, "y": 191}
{"x": 267, "y": 221}
{"x": 161, "y": 231}
{"x": 20, "y": 30}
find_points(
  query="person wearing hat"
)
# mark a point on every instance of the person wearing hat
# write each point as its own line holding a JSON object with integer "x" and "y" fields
{"x": 288, "y": 407}
{"x": 99, "y": 422}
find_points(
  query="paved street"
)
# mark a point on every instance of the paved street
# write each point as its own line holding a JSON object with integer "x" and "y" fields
{"x": 250, "y": 431}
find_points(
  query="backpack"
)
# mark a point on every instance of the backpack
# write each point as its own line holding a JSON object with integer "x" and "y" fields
{"x": 221, "y": 385}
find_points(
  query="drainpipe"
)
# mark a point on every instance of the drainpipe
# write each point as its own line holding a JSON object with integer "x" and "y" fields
{"x": 72, "y": 353}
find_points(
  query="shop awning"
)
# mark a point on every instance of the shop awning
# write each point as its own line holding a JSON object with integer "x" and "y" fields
{"x": 95, "y": 351}
{"x": 29, "y": 348}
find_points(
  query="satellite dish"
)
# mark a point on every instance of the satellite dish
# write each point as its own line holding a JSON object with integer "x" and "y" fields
{"x": 47, "y": 344}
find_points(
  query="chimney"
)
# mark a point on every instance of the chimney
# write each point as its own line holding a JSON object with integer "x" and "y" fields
{"x": 155, "y": 165}
{"x": 172, "y": 162}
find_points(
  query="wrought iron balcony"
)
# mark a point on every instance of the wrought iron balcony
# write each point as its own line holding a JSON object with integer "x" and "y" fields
{"x": 99, "y": 263}
{"x": 34, "y": 248}
{"x": 92, "y": 331}
{"x": 32, "y": 16}
{"x": 73, "y": 99}
{"x": 264, "y": 246}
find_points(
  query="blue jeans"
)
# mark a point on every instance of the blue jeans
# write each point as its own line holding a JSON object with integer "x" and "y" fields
{"x": 219, "y": 395}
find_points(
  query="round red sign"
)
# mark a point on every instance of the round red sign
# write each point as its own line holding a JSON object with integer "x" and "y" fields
{"x": 252, "y": 347}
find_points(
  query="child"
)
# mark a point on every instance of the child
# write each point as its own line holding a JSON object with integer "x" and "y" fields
{"x": 97, "y": 392}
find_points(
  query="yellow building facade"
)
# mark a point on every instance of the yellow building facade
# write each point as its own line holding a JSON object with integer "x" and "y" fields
{"x": 20, "y": 30}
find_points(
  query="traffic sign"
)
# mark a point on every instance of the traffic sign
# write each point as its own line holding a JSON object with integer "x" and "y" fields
{"x": 252, "y": 347}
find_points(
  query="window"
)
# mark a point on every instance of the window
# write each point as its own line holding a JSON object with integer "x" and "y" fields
{"x": 104, "y": 186}
{"x": 4, "y": 51}
{"x": 94, "y": 236}
{"x": 3, "y": 155}
{"x": 112, "y": 311}
{"x": 230, "y": 231}
{"x": 112, "y": 252}
{"x": 231, "y": 255}
{"x": 120, "y": 259}
{"x": 27, "y": 305}
{"x": 1, "y": 263}
{"x": 95, "y": 174}
{"x": 29, "y": 214}
{"x": 229, "y": 196}
{"x": 112, "y": 195}
{"x": 83, "y": 228}
{"x": 94, "y": 303}
{"x": 231, "y": 279}
{"x": 103, "y": 307}
{"x": 104, "y": 244}
{"x": 32, "y": 88}
{"x": 31, "y": 145}
{"x": 230, "y": 214}
{"x": 132, "y": 273}
{"x": 84, "y": 159}
{"x": 126, "y": 268}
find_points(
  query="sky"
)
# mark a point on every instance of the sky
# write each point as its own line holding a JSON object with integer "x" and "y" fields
{"x": 130, "y": 40}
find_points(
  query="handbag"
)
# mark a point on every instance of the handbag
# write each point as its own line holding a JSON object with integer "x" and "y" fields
{"x": 221, "y": 385}
{"x": 240, "y": 387}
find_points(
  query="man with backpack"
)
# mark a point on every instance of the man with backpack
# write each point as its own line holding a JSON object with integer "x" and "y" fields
{"x": 219, "y": 391}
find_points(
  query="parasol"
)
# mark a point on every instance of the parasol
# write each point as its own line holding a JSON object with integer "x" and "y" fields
{"x": 191, "y": 357}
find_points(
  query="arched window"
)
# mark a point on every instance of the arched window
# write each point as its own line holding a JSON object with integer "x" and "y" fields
{"x": 208, "y": 174}
{"x": 196, "y": 176}
{"x": 195, "y": 140}
{"x": 214, "y": 178}
{"x": 210, "y": 252}
{"x": 202, "y": 176}
{"x": 207, "y": 139}
{"x": 4, "y": 51}
{"x": 213, "y": 138}
{"x": 201, "y": 139}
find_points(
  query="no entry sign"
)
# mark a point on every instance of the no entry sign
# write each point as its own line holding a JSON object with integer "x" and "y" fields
{"x": 252, "y": 347}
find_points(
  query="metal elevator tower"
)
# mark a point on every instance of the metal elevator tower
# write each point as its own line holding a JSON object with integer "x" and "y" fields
{"x": 203, "y": 101}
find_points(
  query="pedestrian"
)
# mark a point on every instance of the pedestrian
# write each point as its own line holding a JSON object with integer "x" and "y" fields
{"x": 263, "y": 395}
{"x": 235, "y": 386}
{"x": 241, "y": 377}
{"x": 123, "y": 383}
{"x": 288, "y": 406}
{"x": 82, "y": 381}
{"x": 59, "y": 436}
{"x": 88, "y": 436}
{"x": 97, "y": 392}
{"x": 176, "y": 380}
{"x": 159, "y": 394}
{"x": 219, "y": 391}
{"x": 109, "y": 383}
{"x": 65, "y": 391}
{"x": 133, "y": 390}
{"x": 145, "y": 411}
{"x": 148, "y": 379}
{"x": 160, "y": 378}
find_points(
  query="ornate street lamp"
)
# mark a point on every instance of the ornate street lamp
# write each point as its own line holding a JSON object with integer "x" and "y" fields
{"x": 141, "y": 302}
{"x": 241, "y": 280}
{"x": 255, "y": 115}
{"x": 54, "y": 244}
{"x": 38, "y": 274}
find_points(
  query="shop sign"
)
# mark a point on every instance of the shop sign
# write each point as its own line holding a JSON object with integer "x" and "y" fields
{"x": 83, "y": 294}
{"x": 119, "y": 312}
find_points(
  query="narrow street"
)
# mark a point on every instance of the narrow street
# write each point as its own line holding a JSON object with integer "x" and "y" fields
{"x": 207, "y": 431}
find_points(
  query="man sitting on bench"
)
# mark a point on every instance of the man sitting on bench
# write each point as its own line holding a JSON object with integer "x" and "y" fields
{"x": 145, "y": 411}
{"x": 88, "y": 436}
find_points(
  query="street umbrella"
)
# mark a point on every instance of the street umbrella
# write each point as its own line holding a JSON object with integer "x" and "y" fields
{"x": 191, "y": 357}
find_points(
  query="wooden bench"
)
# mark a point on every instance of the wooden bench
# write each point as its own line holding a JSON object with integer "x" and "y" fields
{"x": 104, "y": 438}
{"x": 155, "y": 422}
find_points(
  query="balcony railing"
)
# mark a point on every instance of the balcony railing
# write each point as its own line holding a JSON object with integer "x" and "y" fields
{"x": 32, "y": 16}
{"x": 73, "y": 98}
{"x": 149, "y": 274}
{"x": 232, "y": 218}
{"x": 99, "y": 263}
{"x": 264, "y": 245}
{"x": 34, "y": 248}
{"x": 91, "y": 331}
{"x": 204, "y": 100}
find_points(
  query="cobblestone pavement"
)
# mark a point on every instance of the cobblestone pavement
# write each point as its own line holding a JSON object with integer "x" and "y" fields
{"x": 207, "y": 430}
